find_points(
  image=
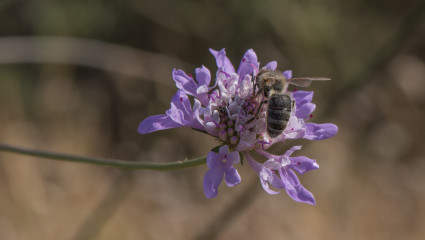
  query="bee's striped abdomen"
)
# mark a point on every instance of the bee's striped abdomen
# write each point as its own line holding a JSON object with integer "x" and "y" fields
{"x": 278, "y": 113}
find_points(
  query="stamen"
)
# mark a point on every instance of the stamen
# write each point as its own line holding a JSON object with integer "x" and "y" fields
{"x": 227, "y": 75}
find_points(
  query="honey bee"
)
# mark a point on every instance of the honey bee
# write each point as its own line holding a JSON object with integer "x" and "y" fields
{"x": 273, "y": 85}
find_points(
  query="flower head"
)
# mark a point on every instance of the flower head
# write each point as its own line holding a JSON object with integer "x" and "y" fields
{"x": 235, "y": 113}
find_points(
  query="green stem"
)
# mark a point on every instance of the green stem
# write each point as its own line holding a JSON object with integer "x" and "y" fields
{"x": 104, "y": 161}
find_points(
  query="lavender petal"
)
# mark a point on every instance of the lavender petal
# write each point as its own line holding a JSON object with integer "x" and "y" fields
{"x": 305, "y": 110}
{"x": 212, "y": 180}
{"x": 287, "y": 74}
{"x": 222, "y": 61}
{"x": 155, "y": 123}
{"x": 248, "y": 64}
{"x": 232, "y": 177}
{"x": 271, "y": 65}
{"x": 184, "y": 82}
{"x": 302, "y": 97}
{"x": 320, "y": 131}
{"x": 294, "y": 188}
{"x": 303, "y": 164}
{"x": 203, "y": 76}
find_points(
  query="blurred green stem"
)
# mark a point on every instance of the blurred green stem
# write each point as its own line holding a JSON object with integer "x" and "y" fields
{"x": 104, "y": 161}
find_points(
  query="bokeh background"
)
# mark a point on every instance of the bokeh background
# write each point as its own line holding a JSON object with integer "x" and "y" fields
{"x": 78, "y": 76}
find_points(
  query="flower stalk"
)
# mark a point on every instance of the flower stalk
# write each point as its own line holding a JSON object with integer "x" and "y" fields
{"x": 130, "y": 165}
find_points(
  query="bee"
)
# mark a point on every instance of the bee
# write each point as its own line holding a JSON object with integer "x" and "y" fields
{"x": 273, "y": 85}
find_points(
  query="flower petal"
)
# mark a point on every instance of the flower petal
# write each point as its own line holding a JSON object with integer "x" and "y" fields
{"x": 157, "y": 122}
{"x": 184, "y": 82}
{"x": 294, "y": 130}
{"x": 305, "y": 110}
{"x": 303, "y": 164}
{"x": 203, "y": 89}
{"x": 315, "y": 131}
{"x": 222, "y": 61}
{"x": 213, "y": 159}
{"x": 202, "y": 95}
{"x": 287, "y": 74}
{"x": 248, "y": 64}
{"x": 181, "y": 110}
{"x": 232, "y": 177}
{"x": 271, "y": 65}
{"x": 302, "y": 97}
{"x": 233, "y": 157}
{"x": 272, "y": 164}
{"x": 223, "y": 149}
{"x": 256, "y": 166}
{"x": 292, "y": 150}
{"x": 294, "y": 188}
{"x": 212, "y": 180}
{"x": 197, "y": 111}
{"x": 203, "y": 76}
{"x": 266, "y": 176}
{"x": 277, "y": 182}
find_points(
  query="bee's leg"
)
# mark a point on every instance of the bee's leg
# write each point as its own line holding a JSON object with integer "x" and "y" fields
{"x": 258, "y": 111}
{"x": 255, "y": 84}
{"x": 254, "y": 93}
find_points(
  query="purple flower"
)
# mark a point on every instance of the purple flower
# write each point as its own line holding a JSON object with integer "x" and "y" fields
{"x": 279, "y": 172}
{"x": 180, "y": 114}
{"x": 229, "y": 110}
{"x": 198, "y": 89}
{"x": 221, "y": 164}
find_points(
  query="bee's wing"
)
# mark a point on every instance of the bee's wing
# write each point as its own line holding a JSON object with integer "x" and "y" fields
{"x": 305, "y": 81}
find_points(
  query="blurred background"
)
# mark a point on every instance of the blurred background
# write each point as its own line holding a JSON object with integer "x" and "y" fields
{"x": 78, "y": 76}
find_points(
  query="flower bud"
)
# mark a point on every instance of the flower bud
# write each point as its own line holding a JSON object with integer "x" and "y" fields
{"x": 222, "y": 135}
{"x": 230, "y": 132}
{"x": 234, "y": 140}
{"x": 230, "y": 123}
